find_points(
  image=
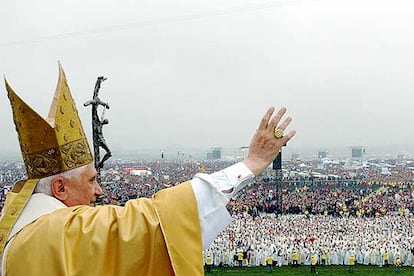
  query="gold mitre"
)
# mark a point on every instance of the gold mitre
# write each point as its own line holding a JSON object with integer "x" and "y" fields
{"x": 55, "y": 144}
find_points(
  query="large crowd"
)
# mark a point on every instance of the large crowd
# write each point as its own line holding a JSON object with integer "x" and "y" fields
{"x": 332, "y": 211}
{"x": 371, "y": 241}
{"x": 334, "y": 201}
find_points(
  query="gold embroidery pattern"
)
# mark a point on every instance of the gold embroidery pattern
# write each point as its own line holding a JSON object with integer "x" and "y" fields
{"x": 55, "y": 144}
{"x": 76, "y": 154}
{"x": 42, "y": 164}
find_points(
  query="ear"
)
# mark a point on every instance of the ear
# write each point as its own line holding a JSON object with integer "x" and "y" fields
{"x": 59, "y": 189}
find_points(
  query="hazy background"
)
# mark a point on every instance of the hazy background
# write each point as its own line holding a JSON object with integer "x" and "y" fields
{"x": 191, "y": 75}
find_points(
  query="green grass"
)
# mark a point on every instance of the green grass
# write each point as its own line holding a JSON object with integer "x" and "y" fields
{"x": 305, "y": 270}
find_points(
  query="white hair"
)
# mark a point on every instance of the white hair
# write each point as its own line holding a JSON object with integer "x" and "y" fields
{"x": 43, "y": 186}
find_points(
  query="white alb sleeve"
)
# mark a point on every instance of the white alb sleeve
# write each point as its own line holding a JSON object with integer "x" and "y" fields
{"x": 211, "y": 201}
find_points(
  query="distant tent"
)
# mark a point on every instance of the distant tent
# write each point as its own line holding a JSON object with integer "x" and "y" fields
{"x": 140, "y": 171}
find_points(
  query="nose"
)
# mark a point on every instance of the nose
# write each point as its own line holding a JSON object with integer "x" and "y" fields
{"x": 98, "y": 190}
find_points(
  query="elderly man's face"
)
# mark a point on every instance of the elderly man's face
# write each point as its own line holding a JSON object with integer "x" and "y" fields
{"x": 85, "y": 190}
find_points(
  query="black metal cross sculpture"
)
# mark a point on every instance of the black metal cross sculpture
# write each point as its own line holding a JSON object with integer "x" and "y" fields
{"x": 97, "y": 125}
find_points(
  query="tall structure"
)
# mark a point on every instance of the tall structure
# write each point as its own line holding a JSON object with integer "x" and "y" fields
{"x": 214, "y": 154}
{"x": 322, "y": 154}
{"x": 357, "y": 152}
{"x": 277, "y": 166}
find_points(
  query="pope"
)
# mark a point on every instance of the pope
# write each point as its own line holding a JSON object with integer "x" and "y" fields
{"x": 48, "y": 226}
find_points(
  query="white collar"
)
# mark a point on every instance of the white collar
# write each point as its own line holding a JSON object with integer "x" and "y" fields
{"x": 38, "y": 205}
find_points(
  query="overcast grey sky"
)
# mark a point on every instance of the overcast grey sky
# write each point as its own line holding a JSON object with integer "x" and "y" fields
{"x": 197, "y": 74}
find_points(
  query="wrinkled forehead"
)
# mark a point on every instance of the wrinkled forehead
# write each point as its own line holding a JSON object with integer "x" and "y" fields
{"x": 89, "y": 170}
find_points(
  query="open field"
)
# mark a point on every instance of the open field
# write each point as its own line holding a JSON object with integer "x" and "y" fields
{"x": 305, "y": 270}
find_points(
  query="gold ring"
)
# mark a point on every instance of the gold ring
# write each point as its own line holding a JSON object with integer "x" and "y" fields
{"x": 278, "y": 133}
